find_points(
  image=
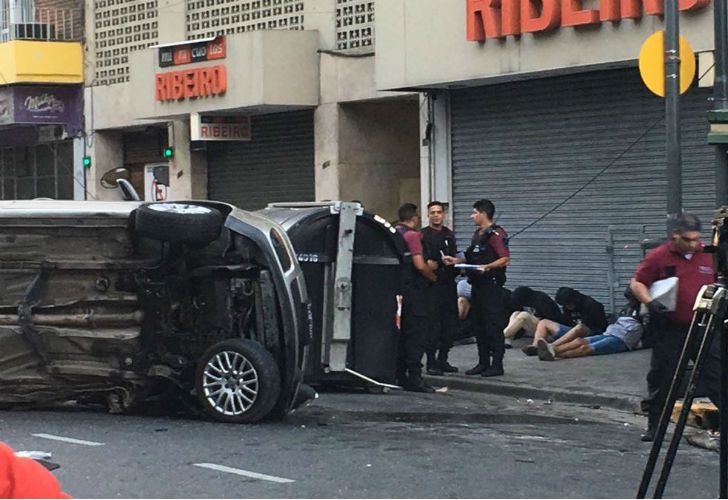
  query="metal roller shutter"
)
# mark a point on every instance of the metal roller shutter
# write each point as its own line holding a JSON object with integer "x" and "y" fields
{"x": 277, "y": 165}
{"x": 529, "y": 145}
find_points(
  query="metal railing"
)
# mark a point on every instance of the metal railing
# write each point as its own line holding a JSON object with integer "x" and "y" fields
{"x": 31, "y": 23}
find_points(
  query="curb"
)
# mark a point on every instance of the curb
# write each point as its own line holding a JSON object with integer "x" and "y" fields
{"x": 618, "y": 402}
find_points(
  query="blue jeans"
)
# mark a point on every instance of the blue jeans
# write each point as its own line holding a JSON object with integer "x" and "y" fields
{"x": 561, "y": 332}
{"x": 606, "y": 344}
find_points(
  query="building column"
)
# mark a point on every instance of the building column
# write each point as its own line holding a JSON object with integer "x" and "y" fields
{"x": 326, "y": 159}
{"x": 188, "y": 169}
{"x": 435, "y": 151}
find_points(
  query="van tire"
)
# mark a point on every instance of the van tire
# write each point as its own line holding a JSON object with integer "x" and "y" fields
{"x": 224, "y": 382}
{"x": 178, "y": 222}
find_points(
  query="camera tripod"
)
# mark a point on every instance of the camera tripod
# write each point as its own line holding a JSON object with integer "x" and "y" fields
{"x": 708, "y": 319}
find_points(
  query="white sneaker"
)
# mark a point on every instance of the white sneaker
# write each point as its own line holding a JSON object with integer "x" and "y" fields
{"x": 546, "y": 351}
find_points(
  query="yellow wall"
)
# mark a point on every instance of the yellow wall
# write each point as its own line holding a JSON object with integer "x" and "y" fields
{"x": 25, "y": 61}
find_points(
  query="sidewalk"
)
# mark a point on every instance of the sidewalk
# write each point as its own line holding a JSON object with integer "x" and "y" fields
{"x": 614, "y": 380}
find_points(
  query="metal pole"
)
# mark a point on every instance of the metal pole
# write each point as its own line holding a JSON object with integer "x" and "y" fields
{"x": 668, "y": 406}
{"x": 710, "y": 330}
{"x": 672, "y": 113}
{"x": 720, "y": 96}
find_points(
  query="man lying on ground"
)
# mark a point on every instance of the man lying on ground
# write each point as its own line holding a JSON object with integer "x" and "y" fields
{"x": 577, "y": 307}
{"x": 540, "y": 306}
{"x": 624, "y": 335}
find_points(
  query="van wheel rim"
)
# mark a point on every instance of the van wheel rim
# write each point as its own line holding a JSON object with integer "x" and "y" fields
{"x": 230, "y": 383}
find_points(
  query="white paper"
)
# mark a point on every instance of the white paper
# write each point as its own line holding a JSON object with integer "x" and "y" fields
{"x": 467, "y": 266}
{"x": 665, "y": 292}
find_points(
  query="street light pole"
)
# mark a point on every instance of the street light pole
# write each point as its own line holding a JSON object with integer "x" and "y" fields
{"x": 672, "y": 113}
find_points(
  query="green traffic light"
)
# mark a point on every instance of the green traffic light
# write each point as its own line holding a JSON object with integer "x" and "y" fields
{"x": 168, "y": 152}
{"x": 86, "y": 161}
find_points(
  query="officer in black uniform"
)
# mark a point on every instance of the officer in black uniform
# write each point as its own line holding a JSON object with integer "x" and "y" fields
{"x": 489, "y": 251}
{"x": 439, "y": 241}
{"x": 417, "y": 277}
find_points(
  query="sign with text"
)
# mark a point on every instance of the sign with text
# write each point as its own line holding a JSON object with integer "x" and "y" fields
{"x": 192, "y": 52}
{"x": 219, "y": 128}
{"x": 41, "y": 105}
{"x": 190, "y": 84}
{"x": 501, "y": 18}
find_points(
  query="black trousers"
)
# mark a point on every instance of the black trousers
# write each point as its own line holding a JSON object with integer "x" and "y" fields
{"x": 443, "y": 318}
{"x": 488, "y": 308}
{"x": 413, "y": 334}
{"x": 669, "y": 339}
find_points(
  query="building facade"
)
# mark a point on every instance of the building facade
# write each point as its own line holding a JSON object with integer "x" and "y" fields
{"x": 539, "y": 106}
{"x": 41, "y": 72}
{"x": 255, "y": 101}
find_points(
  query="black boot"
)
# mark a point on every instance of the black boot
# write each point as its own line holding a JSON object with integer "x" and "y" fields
{"x": 444, "y": 365}
{"x": 482, "y": 366}
{"x": 649, "y": 434}
{"x": 431, "y": 361}
{"x": 435, "y": 370}
{"x": 448, "y": 368}
{"x": 496, "y": 369}
{"x": 416, "y": 384}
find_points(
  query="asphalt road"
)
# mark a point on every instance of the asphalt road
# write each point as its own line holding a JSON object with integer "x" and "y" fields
{"x": 354, "y": 445}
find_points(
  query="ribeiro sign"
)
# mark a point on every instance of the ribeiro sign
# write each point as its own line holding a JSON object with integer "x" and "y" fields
{"x": 191, "y": 83}
{"x": 502, "y": 18}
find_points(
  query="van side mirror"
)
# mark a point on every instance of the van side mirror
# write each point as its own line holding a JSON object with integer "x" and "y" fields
{"x": 128, "y": 190}
{"x": 119, "y": 177}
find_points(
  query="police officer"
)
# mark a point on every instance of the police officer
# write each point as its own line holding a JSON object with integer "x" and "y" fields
{"x": 439, "y": 241}
{"x": 680, "y": 257}
{"x": 417, "y": 277}
{"x": 489, "y": 250}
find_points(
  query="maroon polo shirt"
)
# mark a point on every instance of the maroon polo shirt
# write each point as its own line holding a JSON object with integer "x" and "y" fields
{"x": 499, "y": 242}
{"x": 666, "y": 261}
{"x": 413, "y": 240}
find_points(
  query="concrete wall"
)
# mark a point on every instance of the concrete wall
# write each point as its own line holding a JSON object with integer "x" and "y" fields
{"x": 366, "y": 140}
{"x": 379, "y": 155}
{"x": 106, "y": 149}
{"x": 423, "y": 42}
{"x": 320, "y": 15}
{"x": 108, "y": 107}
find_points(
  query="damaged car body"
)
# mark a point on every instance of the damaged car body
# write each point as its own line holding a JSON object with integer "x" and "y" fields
{"x": 120, "y": 302}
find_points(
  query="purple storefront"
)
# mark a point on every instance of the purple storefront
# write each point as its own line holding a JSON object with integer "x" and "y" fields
{"x": 37, "y": 124}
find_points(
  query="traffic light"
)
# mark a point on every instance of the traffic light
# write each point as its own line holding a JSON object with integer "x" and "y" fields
{"x": 168, "y": 153}
{"x": 86, "y": 161}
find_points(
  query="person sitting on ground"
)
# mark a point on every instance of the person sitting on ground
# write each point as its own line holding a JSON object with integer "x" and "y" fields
{"x": 583, "y": 316}
{"x": 464, "y": 290}
{"x": 541, "y": 307}
{"x": 623, "y": 335}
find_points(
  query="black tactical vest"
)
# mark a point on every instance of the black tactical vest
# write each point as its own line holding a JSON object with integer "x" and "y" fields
{"x": 482, "y": 252}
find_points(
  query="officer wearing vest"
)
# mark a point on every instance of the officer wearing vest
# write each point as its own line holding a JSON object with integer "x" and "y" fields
{"x": 439, "y": 241}
{"x": 417, "y": 277}
{"x": 489, "y": 251}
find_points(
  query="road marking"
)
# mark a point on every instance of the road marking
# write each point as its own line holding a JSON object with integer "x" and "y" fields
{"x": 68, "y": 440}
{"x": 246, "y": 473}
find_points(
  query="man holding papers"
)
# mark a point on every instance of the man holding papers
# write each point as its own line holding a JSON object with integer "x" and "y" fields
{"x": 488, "y": 251}
{"x": 683, "y": 258}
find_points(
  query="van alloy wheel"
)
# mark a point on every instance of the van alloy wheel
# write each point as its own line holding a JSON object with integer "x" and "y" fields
{"x": 230, "y": 383}
{"x": 237, "y": 381}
